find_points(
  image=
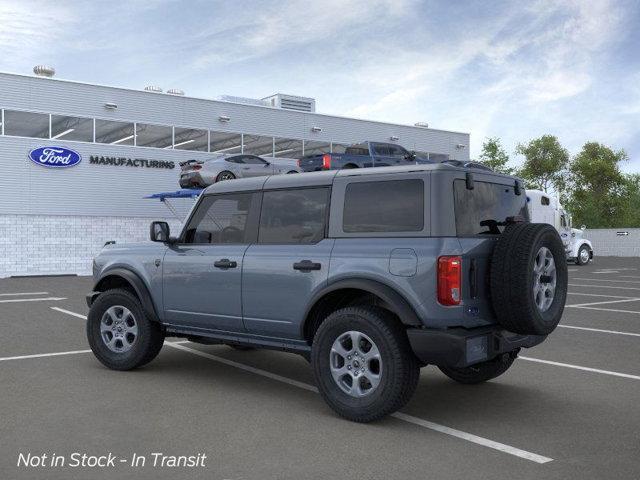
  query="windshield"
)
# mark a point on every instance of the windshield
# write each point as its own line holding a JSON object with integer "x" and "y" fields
{"x": 484, "y": 210}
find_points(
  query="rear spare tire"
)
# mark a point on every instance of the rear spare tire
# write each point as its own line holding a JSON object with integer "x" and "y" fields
{"x": 529, "y": 278}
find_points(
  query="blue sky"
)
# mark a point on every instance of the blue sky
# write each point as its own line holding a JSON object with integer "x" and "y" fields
{"x": 515, "y": 70}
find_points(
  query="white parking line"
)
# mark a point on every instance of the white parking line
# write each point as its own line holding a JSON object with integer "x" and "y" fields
{"x": 632, "y": 299}
{"x": 605, "y": 286}
{"x": 601, "y": 330}
{"x": 41, "y": 355}
{"x": 579, "y": 367}
{"x": 47, "y": 299}
{"x": 401, "y": 416}
{"x": 606, "y": 280}
{"x": 62, "y": 310}
{"x": 23, "y": 293}
{"x": 596, "y": 295}
{"x": 609, "y": 310}
{"x": 628, "y": 276}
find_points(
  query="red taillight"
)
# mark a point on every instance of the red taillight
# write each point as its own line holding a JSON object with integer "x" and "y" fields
{"x": 449, "y": 280}
{"x": 298, "y": 162}
{"x": 326, "y": 161}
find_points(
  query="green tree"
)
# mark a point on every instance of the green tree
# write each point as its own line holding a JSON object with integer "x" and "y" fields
{"x": 600, "y": 192}
{"x": 545, "y": 164}
{"x": 631, "y": 215}
{"x": 494, "y": 156}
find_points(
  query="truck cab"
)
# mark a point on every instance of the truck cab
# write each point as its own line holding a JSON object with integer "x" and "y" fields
{"x": 545, "y": 208}
{"x": 360, "y": 155}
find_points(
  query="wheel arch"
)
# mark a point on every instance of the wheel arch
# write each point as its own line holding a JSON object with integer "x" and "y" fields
{"x": 124, "y": 278}
{"x": 345, "y": 292}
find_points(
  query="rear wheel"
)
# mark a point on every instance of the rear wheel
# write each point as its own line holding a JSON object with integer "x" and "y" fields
{"x": 363, "y": 364}
{"x": 480, "y": 372}
{"x": 583, "y": 255}
{"x": 225, "y": 176}
{"x": 120, "y": 334}
{"x": 291, "y": 172}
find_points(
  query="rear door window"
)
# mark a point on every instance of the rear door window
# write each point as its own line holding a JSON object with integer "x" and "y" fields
{"x": 384, "y": 206}
{"x": 296, "y": 216}
{"x": 484, "y": 210}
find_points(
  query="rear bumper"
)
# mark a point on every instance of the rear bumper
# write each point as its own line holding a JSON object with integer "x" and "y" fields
{"x": 461, "y": 347}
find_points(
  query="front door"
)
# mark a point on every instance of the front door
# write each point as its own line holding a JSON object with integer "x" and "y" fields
{"x": 254, "y": 166}
{"x": 289, "y": 262}
{"x": 202, "y": 272}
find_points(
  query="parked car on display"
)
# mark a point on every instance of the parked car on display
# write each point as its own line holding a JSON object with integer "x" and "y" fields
{"x": 545, "y": 208}
{"x": 361, "y": 155}
{"x": 369, "y": 274}
{"x": 202, "y": 173}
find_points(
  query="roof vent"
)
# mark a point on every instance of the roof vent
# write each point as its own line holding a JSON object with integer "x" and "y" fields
{"x": 44, "y": 71}
{"x": 175, "y": 91}
{"x": 153, "y": 88}
{"x": 422, "y": 124}
{"x": 292, "y": 102}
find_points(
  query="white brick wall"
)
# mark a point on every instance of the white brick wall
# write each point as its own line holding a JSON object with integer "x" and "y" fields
{"x": 51, "y": 245}
{"x": 607, "y": 243}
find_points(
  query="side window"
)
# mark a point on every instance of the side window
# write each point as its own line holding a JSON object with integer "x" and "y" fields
{"x": 387, "y": 206}
{"x": 253, "y": 160}
{"x": 238, "y": 159}
{"x": 293, "y": 216}
{"x": 381, "y": 150}
{"x": 544, "y": 200}
{"x": 221, "y": 219}
{"x": 396, "y": 151}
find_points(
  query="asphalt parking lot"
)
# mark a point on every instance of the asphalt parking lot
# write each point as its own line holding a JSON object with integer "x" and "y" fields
{"x": 569, "y": 408}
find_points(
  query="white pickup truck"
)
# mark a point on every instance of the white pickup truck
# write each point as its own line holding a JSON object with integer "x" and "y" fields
{"x": 544, "y": 208}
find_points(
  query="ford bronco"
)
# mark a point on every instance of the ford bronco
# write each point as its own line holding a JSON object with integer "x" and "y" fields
{"x": 370, "y": 274}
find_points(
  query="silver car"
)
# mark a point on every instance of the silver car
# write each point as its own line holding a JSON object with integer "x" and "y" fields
{"x": 202, "y": 173}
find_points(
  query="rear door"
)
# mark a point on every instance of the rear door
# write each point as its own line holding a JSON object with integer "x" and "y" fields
{"x": 254, "y": 166}
{"x": 289, "y": 262}
{"x": 202, "y": 272}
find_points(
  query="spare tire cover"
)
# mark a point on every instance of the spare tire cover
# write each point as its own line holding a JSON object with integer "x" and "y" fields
{"x": 529, "y": 278}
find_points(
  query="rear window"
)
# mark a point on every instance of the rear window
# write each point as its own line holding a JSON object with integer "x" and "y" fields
{"x": 481, "y": 211}
{"x": 357, "y": 151}
{"x": 389, "y": 206}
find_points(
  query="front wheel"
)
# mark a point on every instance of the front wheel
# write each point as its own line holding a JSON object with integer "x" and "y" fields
{"x": 119, "y": 332}
{"x": 363, "y": 363}
{"x": 583, "y": 255}
{"x": 480, "y": 372}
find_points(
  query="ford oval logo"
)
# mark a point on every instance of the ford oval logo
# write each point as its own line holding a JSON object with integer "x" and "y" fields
{"x": 56, "y": 157}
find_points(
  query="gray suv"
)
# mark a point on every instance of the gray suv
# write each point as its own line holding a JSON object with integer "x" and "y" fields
{"x": 370, "y": 274}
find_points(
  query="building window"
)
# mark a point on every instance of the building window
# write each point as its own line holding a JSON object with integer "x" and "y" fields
{"x": 287, "y": 148}
{"x": 258, "y": 145}
{"x": 26, "y": 124}
{"x": 190, "y": 139}
{"x": 72, "y": 128}
{"x": 399, "y": 206}
{"x": 293, "y": 216}
{"x": 312, "y": 147}
{"x": 114, "y": 133}
{"x": 157, "y": 136}
{"x": 225, "y": 142}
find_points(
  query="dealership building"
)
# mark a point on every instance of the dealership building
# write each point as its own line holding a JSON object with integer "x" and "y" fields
{"x": 77, "y": 159}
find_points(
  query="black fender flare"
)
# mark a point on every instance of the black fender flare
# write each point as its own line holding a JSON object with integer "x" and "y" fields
{"x": 136, "y": 283}
{"x": 396, "y": 302}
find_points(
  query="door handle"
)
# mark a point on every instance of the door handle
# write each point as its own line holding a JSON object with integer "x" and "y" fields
{"x": 306, "y": 266}
{"x": 225, "y": 263}
{"x": 246, "y": 168}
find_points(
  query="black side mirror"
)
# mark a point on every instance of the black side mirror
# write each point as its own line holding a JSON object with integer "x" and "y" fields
{"x": 159, "y": 232}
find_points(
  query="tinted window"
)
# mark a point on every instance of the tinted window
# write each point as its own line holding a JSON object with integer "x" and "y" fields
{"x": 293, "y": 216}
{"x": 115, "y": 133}
{"x": 220, "y": 219}
{"x": 381, "y": 150}
{"x": 253, "y": 160}
{"x": 235, "y": 159}
{"x": 483, "y": 209}
{"x": 391, "y": 206}
{"x": 72, "y": 128}
{"x": 397, "y": 151}
{"x": 544, "y": 200}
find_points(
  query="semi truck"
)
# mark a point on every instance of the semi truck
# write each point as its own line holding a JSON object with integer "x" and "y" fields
{"x": 545, "y": 208}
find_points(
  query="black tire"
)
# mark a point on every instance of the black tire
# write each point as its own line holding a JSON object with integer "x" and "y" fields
{"x": 148, "y": 341}
{"x": 513, "y": 278}
{"x": 291, "y": 172}
{"x": 225, "y": 175}
{"x": 480, "y": 372}
{"x": 349, "y": 166}
{"x": 579, "y": 260}
{"x": 399, "y": 371}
